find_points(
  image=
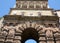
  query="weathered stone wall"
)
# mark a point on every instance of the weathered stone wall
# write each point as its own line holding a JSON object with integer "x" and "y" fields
{"x": 12, "y": 34}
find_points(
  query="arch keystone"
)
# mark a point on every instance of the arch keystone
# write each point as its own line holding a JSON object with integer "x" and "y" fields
{"x": 27, "y": 24}
{"x": 33, "y": 25}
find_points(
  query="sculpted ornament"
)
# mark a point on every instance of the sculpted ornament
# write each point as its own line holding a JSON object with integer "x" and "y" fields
{"x": 50, "y": 31}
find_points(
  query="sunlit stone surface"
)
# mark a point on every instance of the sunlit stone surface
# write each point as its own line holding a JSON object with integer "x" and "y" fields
{"x": 30, "y": 20}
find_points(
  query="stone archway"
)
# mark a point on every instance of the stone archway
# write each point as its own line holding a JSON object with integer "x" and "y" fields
{"x": 28, "y": 30}
{"x": 29, "y": 33}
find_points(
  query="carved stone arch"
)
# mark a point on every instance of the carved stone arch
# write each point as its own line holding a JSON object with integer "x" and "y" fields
{"x": 29, "y": 33}
{"x": 29, "y": 30}
{"x": 36, "y": 26}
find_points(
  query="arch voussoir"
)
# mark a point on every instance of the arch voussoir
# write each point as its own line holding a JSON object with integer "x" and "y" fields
{"x": 33, "y": 25}
{"x": 21, "y": 26}
{"x": 24, "y": 26}
{"x": 28, "y": 24}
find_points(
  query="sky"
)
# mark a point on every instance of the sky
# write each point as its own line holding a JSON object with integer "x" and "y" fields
{"x": 5, "y": 5}
{"x": 30, "y": 41}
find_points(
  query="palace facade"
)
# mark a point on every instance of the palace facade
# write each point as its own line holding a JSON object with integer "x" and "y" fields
{"x": 30, "y": 19}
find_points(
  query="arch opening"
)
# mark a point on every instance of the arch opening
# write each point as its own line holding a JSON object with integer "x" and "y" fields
{"x": 30, "y": 41}
{"x": 30, "y": 33}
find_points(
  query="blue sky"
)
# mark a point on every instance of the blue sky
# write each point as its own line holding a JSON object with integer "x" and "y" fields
{"x": 5, "y": 5}
{"x": 30, "y": 41}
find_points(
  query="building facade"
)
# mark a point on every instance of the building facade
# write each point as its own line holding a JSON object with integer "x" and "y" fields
{"x": 31, "y": 19}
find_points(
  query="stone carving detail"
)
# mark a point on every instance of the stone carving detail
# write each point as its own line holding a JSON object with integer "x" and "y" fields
{"x": 4, "y": 33}
{"x": 49, "y": 33}
{"x": 10, "y": 31}
{"x": 49, "y": 30}
{"x": 33, "y": 16}
{"x": 31, "y": 4}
